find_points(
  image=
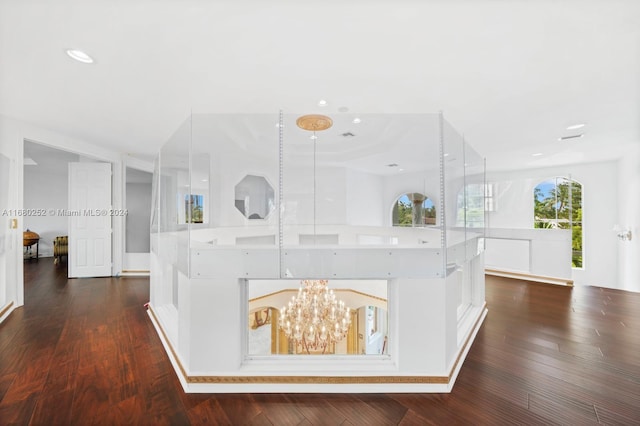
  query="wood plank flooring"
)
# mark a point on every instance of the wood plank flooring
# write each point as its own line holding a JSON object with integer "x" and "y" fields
{"x": 84, "y": 352}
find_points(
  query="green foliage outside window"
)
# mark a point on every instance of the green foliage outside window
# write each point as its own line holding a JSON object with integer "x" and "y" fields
{"x": 403, "y": 214}
{"x": 558, "y": 205}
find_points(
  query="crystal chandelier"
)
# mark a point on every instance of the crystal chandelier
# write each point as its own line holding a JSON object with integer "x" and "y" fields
{"x": 314, "y": 317}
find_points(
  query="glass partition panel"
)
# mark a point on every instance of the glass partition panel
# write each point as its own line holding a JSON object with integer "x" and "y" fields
{"x": 454, "y": 195}
{"x": 234, "y": 190}
{"x": 345, "y": 187}
{"x": 476, "y": 202}
{"x": 197, "y": 202}
{"x": 172, "y": 184}
{"x": 382, "y": 188}
{"x": 464, "y": 188}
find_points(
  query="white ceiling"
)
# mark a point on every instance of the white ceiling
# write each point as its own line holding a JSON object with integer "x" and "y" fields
{"x": 509, "y": 75}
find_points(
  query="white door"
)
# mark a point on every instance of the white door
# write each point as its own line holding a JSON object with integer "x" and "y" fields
{"x": 89, "y": 220}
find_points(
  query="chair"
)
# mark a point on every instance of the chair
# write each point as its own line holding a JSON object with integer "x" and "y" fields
{"x": 60, "y": 248}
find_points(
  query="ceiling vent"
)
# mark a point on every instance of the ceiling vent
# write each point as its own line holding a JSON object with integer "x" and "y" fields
{"x": 564, "y": 138}
{"x": 347, "y": 135}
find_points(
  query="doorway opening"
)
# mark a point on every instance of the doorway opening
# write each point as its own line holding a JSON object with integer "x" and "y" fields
{"x": 138, "y": 222}
{"x": 61, "y": 208}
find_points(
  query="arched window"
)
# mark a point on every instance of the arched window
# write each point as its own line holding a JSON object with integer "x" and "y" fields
{"x": 558, "y": 205}
{"x": 414, "y": 209}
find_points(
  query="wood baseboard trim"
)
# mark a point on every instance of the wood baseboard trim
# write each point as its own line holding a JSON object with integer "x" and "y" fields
{"x": 173, "y": 354}
{"x": 529, "y": 277}
{"x": 134, "y": 273}
{"x": 5, "y": 309}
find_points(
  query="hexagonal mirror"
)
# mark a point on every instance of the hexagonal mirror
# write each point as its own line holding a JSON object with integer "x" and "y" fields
{"x": 254, "y": 197}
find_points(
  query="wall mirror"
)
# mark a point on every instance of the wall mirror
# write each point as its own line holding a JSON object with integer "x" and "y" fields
{"x": 254, "y": 197}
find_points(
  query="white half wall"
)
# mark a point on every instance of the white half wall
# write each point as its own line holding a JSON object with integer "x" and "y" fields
{"x": 514, "y": 209}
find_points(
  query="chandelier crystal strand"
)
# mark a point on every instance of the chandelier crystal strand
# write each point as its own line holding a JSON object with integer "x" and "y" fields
{"x": 314, "y": 318}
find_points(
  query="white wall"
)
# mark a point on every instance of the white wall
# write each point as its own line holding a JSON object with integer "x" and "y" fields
{"x": 330, "y": 196}
{"x": 7, "y": 236}
{"x": 629, "y": 216}
{"x": 365, "y": 202}
{"x": 11, "y": 272}
{"x": 5, "y": 166}
{"x": 514, "y": 209}
{"x": 45, "y": 191}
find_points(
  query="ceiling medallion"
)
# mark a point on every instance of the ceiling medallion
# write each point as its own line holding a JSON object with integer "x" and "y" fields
{"x": 314, "y": 122}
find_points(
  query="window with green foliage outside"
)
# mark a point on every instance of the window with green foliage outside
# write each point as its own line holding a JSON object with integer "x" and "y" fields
{"x": 558, "y": 205}
{"x": 413, "y": 209}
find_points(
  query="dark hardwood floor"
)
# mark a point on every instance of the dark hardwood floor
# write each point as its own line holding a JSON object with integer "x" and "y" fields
{"x": 84, "y": 352}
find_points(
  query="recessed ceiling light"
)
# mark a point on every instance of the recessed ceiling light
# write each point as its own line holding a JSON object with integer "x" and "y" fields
{"x": 313, "y": 137}
{"x": 322, "y": 103}
{"x": 446, "y": 154}
{"x": 537, "y": 154}
{"x": 575, "y": 126}
{"x": 356, "y": 120}
{"x": 79, "y": 56}
{"x": 401, "y": 170}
